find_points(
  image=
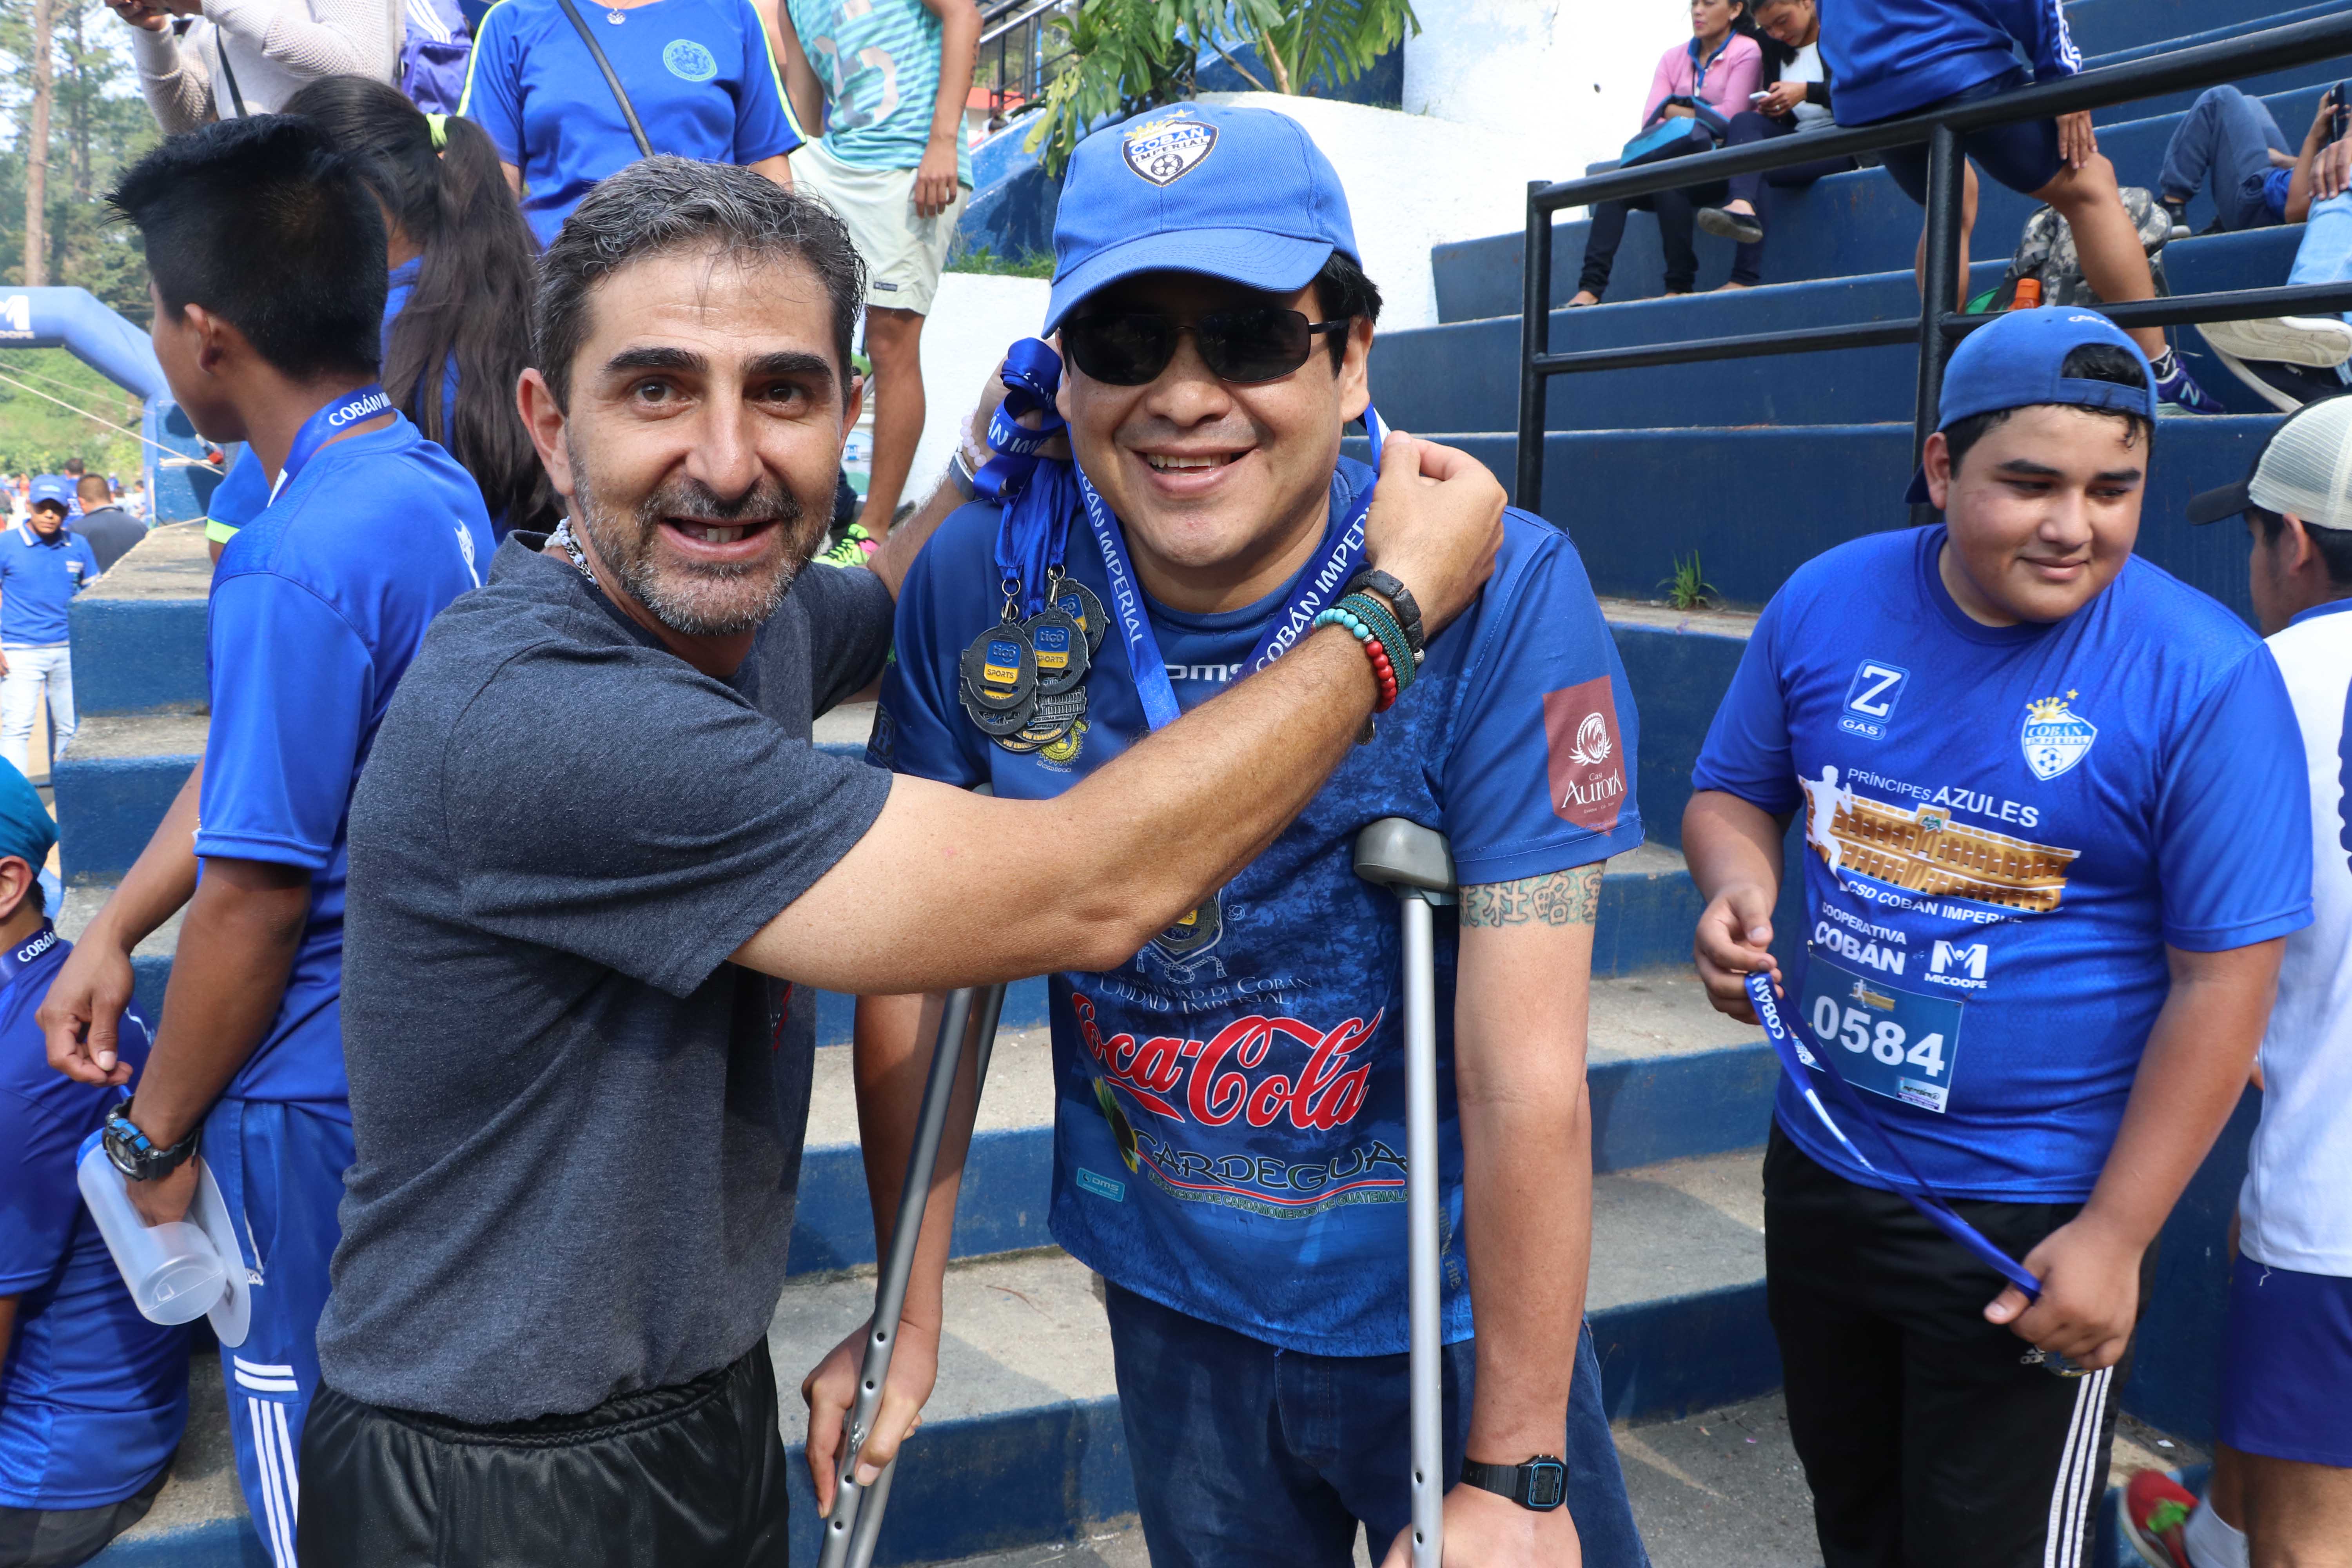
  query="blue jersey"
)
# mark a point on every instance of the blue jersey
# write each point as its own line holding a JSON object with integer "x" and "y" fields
{"x": 697, "y": 72}
{"x": 38, "y": 578}
{"x": 2004, "y": 829}
{"x": 1891, "y": 56}
{"x": 317, "y": 608}
{"x": 94, "y": 1395}
{"x": 1229, "y": 1134}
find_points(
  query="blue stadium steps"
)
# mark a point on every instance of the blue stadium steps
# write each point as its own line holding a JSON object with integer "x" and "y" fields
{"x": 1845, "y": 226}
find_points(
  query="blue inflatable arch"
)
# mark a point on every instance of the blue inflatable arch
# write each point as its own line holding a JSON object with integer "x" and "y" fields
{"x": 172, "y": 454}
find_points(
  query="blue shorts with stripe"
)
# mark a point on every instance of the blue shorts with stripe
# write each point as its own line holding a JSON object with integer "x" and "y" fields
{"x": 2286, "y": 1365}
{"x": 280, "y": 1168}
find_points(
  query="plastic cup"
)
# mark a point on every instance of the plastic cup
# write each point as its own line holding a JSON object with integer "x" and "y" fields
{"x": 171, "y": 1270}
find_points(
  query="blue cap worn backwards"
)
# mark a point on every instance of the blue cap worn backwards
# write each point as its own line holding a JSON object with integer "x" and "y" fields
{"x": 1239, "y": 194}
{"x": 25, "y": 827}
{"x": 2019, "y": 360}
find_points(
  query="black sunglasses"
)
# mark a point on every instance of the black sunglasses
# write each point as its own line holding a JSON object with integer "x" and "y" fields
{"x": 1131, "y": 348}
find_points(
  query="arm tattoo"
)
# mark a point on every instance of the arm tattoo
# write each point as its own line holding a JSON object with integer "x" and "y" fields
{"x": 1557, "y": 899}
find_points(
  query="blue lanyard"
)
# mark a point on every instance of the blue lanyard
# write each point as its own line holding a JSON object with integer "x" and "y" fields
{"x": 1032, "y": 531}
{"x": 1795, "y": 1061}
{"x": 324, "y": 426}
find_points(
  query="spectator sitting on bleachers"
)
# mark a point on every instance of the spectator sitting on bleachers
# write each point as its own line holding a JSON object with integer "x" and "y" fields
{"x": 1795, "y": 99}
{"x": 1895, "y": 58}
{"x": 94, "y": 1397}
{"x": 2295, "y": 360}
{"x": 1718, "y": 66}
{"x": 2230, "y": 143}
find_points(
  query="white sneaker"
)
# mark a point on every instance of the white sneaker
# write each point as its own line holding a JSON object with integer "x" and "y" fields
{"x": 2286, "y": 387}
{"x": 2319, "y": 341}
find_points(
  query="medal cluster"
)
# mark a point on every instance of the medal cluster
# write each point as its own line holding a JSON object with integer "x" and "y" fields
{"x": 1023, "y": 681}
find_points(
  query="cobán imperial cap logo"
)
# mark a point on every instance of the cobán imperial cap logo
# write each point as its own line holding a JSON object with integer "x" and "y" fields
{"x": 1166, "y": 148}
{"x": 1586, "y": 754}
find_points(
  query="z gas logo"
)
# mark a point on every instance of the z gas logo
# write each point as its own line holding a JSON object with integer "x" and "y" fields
{"x": 1870, "y": 700}
{"x": 1586, "y": 754}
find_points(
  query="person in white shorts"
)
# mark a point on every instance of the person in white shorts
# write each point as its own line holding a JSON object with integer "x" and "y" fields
{"x": 887, "y": 80}
{"x": 2280, "y": 1491}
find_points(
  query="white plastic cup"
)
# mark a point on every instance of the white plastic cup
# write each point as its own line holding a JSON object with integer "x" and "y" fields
{"x": 171, "y": 1270}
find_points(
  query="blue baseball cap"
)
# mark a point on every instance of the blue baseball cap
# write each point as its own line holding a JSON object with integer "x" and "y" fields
{"x": 1239, "y": 194}
{"x": 2019, "y": 360}
{"x": 52, "y": 487}
{"x": 26, "y": 829}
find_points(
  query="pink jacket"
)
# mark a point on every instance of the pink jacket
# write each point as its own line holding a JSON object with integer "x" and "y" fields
{"x": 1731, "y": 75}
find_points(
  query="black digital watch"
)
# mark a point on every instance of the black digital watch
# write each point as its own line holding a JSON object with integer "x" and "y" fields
{"x": 1540, "y": 1484}
{"x": 134, "y": 1154}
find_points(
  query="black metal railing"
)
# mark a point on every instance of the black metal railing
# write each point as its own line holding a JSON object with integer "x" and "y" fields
{"x": 2201, "y": 66}
{"x": 1013, "y": 55}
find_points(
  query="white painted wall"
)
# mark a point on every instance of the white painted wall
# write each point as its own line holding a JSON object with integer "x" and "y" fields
{"x": 1562, "y": 81}
{"x": 974, "y": 319}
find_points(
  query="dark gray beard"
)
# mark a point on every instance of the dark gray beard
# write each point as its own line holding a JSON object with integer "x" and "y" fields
{"x": 695, "y": 601}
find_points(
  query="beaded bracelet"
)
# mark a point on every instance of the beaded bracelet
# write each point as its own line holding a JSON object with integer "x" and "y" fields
{"x": 1375, "y": 615}
{"x": 1383, "y": 671}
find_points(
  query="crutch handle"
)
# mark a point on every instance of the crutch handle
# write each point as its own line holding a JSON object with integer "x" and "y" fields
{"x": 1400, "y": 854}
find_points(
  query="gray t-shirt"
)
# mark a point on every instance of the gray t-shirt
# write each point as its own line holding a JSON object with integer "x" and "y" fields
{"x": 578, "y": 1127}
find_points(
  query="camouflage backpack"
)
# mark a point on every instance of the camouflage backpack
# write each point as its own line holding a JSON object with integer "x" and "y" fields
{"x": 2045, "y": 250}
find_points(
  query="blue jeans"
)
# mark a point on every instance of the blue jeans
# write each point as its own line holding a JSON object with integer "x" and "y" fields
{"x": 2325, "y": 254}
{"x": 2226, "y": 137}
{"x": 1248, "y": 1453}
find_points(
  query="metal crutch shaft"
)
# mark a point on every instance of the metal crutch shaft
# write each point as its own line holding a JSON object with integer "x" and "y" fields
{"x": 870, "y": 1508}
{"x": 1413, "y": 862}
{"x": 890, "y": 1287}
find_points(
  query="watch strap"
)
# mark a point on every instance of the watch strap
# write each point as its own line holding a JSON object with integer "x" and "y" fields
{"x": 1540, "y": 1484}
{"x": 138, "y": 1156}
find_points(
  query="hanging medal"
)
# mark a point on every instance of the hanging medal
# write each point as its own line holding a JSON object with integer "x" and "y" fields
{"x": 1077, "y": 601}
{"x": 1000, "y": 676}
{"x": 1060, "y": 644}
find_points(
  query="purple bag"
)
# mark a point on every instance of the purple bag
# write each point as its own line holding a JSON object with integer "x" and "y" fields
{"x": 433, "y": 55}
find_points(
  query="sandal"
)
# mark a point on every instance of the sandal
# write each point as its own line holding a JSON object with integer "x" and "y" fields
{"x": 1741, "y": 228}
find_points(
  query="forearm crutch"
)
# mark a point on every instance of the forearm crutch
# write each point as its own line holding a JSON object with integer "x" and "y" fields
{"x": 857, "y": 1518}
{"x": 1413, "y": 862}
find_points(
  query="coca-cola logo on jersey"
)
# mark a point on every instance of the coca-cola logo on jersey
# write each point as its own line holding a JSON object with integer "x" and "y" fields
{"x": 1214, "y": 1082}
{"x": 1586, "y": 754}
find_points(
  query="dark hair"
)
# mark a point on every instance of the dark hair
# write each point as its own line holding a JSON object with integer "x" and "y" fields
{"x": 2091, "y": 362}
{"x": 666, "y": 203}
{"x": 263, "y": 223}
{"x": 471, "y": 305}
{"x": 2334, "y": 544}
{"x": 75, "y": 467}
{"x": 93, "y": 485}
{"x": 1342, "y": 290}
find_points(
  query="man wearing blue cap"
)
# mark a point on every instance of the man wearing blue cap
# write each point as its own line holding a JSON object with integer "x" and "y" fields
{"x": 43, "y": 565}
{"x": 94, "y": 1397}
{"x": 1230, "y": 1099}
{"x": 2057, "y": 833}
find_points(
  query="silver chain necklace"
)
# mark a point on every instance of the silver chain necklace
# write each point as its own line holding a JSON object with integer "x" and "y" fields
{"x": 562, "y": 536}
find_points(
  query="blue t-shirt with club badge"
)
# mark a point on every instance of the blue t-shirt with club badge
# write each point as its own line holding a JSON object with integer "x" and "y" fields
{"x": 1229, "y": 1135}
{"x": 697, "y": 72}
{"x": 2004, "y": 829}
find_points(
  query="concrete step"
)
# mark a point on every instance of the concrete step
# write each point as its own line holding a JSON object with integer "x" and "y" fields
{"x": 137, "y": 632}
{"x": 115, "y": 781}
{"x": 1757, "y": 503}
{"x": 1464, "y": 375}
{"x": 1847, "y": 226}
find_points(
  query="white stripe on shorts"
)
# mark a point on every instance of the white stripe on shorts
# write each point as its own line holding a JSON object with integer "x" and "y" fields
{"x": 265, "y": 1451}
{"x": 2072, "y": 1495}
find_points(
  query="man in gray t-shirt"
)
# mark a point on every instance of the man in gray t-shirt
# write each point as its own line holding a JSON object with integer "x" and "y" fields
{"x": 593, "y": 854}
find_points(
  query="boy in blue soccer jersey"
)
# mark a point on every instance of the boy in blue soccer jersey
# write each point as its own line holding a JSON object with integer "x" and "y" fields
{"x": 2055, "y": 835}
{"x": 93, "y": 1396}
{"x": 267, "y": 257}
{"x": 1229, "y": 1115}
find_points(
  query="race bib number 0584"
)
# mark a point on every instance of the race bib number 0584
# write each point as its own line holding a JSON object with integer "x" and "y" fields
{"x": 1892, "y": 1042}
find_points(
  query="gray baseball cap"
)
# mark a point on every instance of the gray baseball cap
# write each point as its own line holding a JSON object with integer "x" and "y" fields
{"x": 2305, "y": 467}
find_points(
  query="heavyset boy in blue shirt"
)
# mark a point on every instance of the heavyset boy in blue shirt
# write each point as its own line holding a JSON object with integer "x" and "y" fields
{"x": 697, "y": 72}
{"x": 93, "y": 1395}
{"x": 1230, "y": 1119}
{"x": 2053, "y": 838}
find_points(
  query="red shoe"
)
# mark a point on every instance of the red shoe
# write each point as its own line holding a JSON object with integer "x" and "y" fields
{"x": 2154, "y": 1508}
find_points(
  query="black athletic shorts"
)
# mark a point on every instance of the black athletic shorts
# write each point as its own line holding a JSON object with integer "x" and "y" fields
{"x": 685, "y": 1477}
{"x": 1926, "y": 1439}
